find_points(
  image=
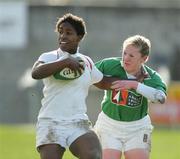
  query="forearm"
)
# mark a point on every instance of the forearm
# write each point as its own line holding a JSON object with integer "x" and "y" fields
{"x": 42, "y": 70}
{"x": 152, "y": 94}
{"x": 106, "y": 82}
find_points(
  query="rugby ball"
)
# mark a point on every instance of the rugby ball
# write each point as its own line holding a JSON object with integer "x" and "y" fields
{"x": 68, "y": 74}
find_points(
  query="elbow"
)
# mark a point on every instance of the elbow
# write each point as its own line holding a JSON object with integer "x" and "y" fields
{"x": 35, "y": 75}
{"x": 161, "y": 97}
{"x": 37, "y": 72}
{"x": 162, "y": 100}
{"x": 99, "y": 85}
{"x": 105, "y": 83}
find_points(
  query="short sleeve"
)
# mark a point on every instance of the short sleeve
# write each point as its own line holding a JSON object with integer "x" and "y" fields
{"x": 96, "y": 75}
{"x": 47, "y": 57}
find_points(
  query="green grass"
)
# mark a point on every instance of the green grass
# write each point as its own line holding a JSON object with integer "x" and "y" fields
{"x": 18, "y": 142}
{"x": 165, "y": 144}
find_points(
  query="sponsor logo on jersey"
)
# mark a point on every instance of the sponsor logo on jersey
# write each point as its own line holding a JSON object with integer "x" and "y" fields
{"x": 126, "y": 98}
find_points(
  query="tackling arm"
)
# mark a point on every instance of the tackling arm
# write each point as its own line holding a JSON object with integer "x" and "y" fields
{"x": 153, "y": 94}
{"x": 106, "y": 82}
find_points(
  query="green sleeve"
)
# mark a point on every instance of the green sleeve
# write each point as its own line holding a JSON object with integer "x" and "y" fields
{"x": 156, "y": 82}
{"x": 100, "y": 65}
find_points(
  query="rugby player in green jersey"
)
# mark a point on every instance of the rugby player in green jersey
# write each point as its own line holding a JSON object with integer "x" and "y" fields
{"x": 124, "y": 125}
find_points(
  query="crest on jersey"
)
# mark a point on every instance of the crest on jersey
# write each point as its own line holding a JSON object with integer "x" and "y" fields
{"x": 126, "y": 98}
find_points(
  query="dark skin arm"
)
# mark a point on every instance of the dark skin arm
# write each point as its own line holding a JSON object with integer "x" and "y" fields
{"x": 106, "y": 82}
{"x": 42, "y": 70}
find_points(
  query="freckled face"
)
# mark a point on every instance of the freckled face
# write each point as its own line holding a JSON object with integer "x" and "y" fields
{"x": 68, "y": 38}
{"x": 132, "y": 59}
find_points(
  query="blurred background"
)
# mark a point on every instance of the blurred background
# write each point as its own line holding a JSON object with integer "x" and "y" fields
{"x": 27, "y": 30}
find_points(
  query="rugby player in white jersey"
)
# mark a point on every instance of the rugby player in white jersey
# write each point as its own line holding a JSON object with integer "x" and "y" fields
{"x": 62, "y": 120}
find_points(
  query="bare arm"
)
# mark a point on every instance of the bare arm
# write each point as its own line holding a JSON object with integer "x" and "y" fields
{"x": 106, "y": 82}
{"x": 42, "y": 70}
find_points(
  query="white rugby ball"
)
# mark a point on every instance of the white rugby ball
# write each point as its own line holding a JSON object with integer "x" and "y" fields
{"x": 68, "y": 74}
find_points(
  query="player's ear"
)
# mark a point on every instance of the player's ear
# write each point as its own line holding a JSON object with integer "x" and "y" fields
{"x": 145, "y": 58}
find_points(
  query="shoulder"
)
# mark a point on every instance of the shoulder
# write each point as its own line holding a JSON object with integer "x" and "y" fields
{"x": 48, "y": 56}
{"x": 85, "y": 57}
{"x": 152, "y": 73}
{"x": 154, "y": 79}
{"x": 109, "y": 65}
{"x": 88, "y": 61}
{"x": 109, "y": 62}
{"x": 111, "y": 59}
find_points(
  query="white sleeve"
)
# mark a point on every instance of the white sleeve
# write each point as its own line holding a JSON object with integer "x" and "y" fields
{"x": 49, "y": 57}
{"x": 96, "y": 75}
{"x": 46, "y": 57}
{"x": 152, "y": 94}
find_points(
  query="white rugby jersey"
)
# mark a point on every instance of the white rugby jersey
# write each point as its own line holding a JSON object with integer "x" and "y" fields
{"x": 65, "y": 100}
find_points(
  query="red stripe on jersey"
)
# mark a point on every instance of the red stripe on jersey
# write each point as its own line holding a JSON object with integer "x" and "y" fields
{"x": 90, "y": 64}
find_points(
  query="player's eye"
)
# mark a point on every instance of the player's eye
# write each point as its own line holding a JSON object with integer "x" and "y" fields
{"x": 131, "y": 55}
{"x": 124, "y": 53}
{"x": 60, "y": 32}
{"x": 69, "y": 32}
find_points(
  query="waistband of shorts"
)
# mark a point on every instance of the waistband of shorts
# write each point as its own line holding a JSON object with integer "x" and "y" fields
{"x": 50, "y": 120}
{"x": 144, "y": 120}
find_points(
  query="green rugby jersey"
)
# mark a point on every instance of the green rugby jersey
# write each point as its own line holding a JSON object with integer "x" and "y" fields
{"x": 126, "y": 105}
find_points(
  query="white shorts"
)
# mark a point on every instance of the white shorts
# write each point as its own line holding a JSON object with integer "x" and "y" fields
{"x": 124, "y": 136}
{"x": 62, "y": 133}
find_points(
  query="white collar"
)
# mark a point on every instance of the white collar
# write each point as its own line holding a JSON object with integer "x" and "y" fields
{"x": 60, "y": 52}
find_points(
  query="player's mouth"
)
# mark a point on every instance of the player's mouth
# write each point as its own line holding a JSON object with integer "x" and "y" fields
{"x": 66, "y": 46}
{"x": 63, "y": 42}
{"x": 127, "y": 64}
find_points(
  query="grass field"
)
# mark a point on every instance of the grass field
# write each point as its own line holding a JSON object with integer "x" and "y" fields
{"x": 18, "y": 142}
